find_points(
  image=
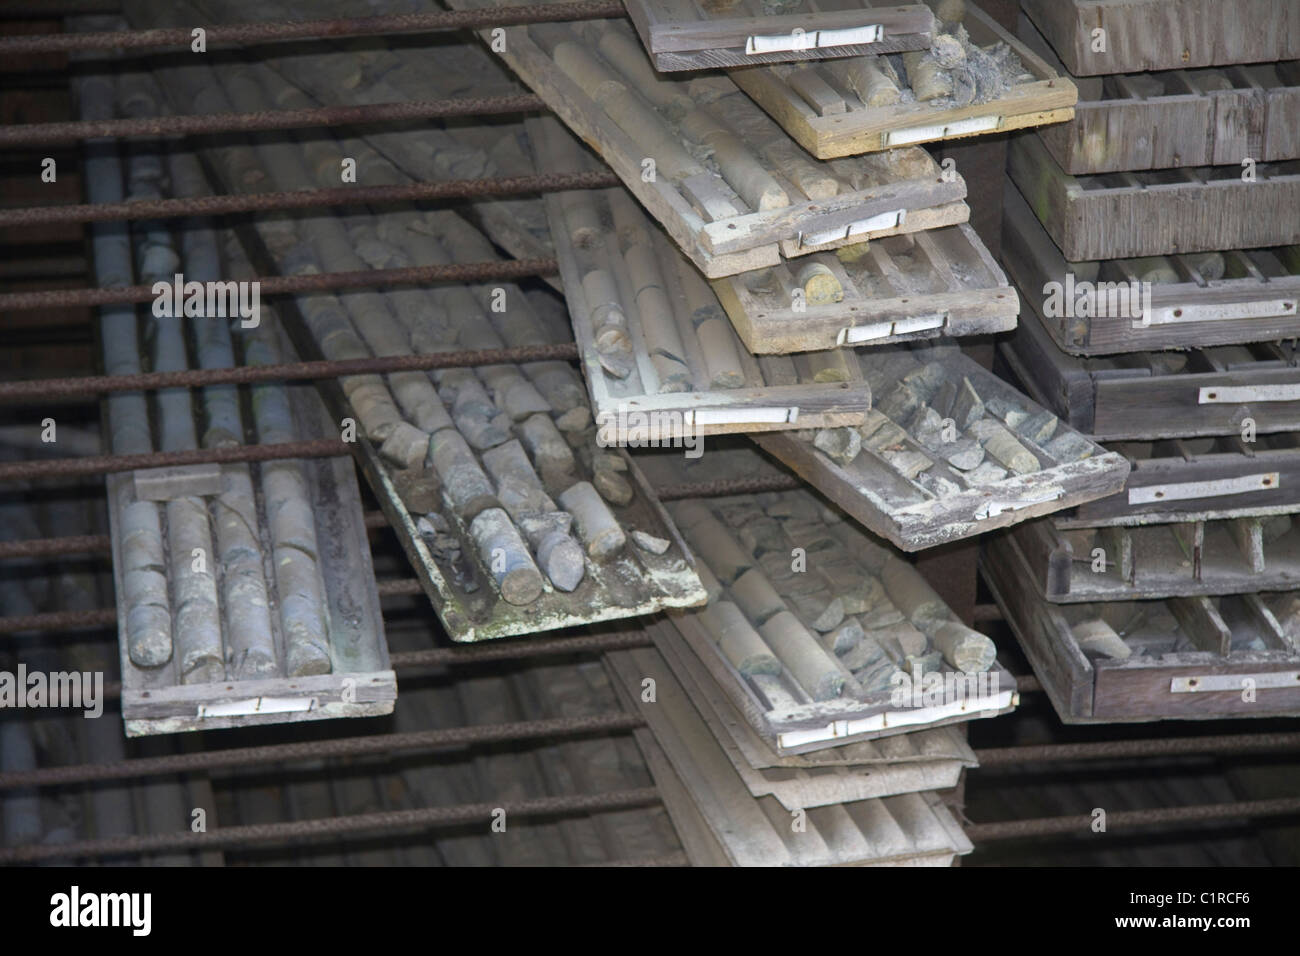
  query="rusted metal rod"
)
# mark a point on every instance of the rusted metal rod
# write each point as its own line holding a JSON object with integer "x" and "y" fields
{"x": 728, "y": 486}
{"x": 526, "y": 647}
{"x": 304, "y": 199}
{"x": 109, "y": 464}
{"x": 282, "y": 285}
{"x": 298, "y": 830}
{"x": 59, "y": 621}
{"x": 41, "y": 389}
{"x": 1158, "y": 747}
{"x": 102, "y": 544}
{"x": 1122, "y": 819}
{"x": 372, "y": 745}
{"x": 201, "y": 124}
{"x": 276, "y": 31}
{"x": 55, "y": 547}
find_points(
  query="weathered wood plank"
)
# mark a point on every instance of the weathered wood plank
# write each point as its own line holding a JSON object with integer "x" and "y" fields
{"x": 1249, "y": 480}
{"x": 1161, "y": 214}
{"x": 1141, "y": 35}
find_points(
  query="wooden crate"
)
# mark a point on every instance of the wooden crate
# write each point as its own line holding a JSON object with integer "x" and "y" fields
{"x": 901, "y": 485}
{"x": 361, "y": 683}
{"x": 1257, "y": 299}
{"x": 722, "y": 824}
{"x": 1190, "y": 658}
{"x": 1143, "y": 35}
{"x": 1199, "y": 117}
{"x": 1199, "y": 480}
{"x": 678, "y": 369}
{"x": 690, "y": 35}
{"x": 838, "y": 618}
{"x": 942, "y": 282}
{"x": 814, "y": 205}
{"x": 1154, "y": 395}
{"x": 816, "y": 103}
{"x": 1157, "y": 213}
{"x": 1185, "y": 559}
{"x": 903, "y": 763}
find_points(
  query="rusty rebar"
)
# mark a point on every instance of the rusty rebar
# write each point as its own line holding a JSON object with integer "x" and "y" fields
{"x": 102, "y": 544}
{"x": 525, "y": 647}
{"x": 283, "y": 285}
{"x": 46, "y": 388}
{"x": 297, "y": 830}
{"x": 55, "y": 547}
{"x": 728, "y": 486}
{"x": 1122, "y": 819}
{"x": 1120, "y": 749}
{"x": 59, "y": 621}
{"x": 202, "y": 124}
{"x": 40, "y": 468}
{"x": 304, "y": 199}
{"x": 278, "y": 31}
{"x": 372, "y": 745}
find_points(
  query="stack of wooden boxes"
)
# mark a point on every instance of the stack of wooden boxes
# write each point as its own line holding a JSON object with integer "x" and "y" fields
{"x": 1153, "y": 241}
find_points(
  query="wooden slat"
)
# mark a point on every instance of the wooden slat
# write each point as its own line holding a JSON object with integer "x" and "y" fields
{"x": 1102, "y": 222}
{"x": 1166, "y": 34}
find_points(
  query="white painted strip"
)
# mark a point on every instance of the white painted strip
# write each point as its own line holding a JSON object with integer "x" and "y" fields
{"x": 759, "y": 415}
{"x": 919, "y": 323}
{"x": 921, "y": 134}
{"x": 886, "y": 220}
{"x": 1239, "y": 394}
{"x": 864, "y": 333}
{"x": 1218, "y": 488}
{"x": 1209, "y": 683}
{"x": 991, "y": 509}
{"x": 849, "y": 36}
{"x": 811, "y": 40}
{"x": 835, "y": 730}
{"x": 256, "y": 705}
{"x": 1175, "y": 314}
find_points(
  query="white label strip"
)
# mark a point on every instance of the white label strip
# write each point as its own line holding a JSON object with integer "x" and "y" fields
{"x": 1174, "y": 314}
{"x": 991, "y": 509}
{"x": 743, "y": 416}
{"x": 976, "y": 707}
{"x": 256, "y": 705}
{"x": 919, "y": 323}
{"x": 886, "y": 220}
{"x": 1234, "y": 682}
{"x": 1238, "y": 394}
{"x": 1269, "y": 481}
{"x": 879, "y": 330}
{"x": 864, "y": 333}
{"x": 921, "y": 134}
{"x": 804, "y": 40}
